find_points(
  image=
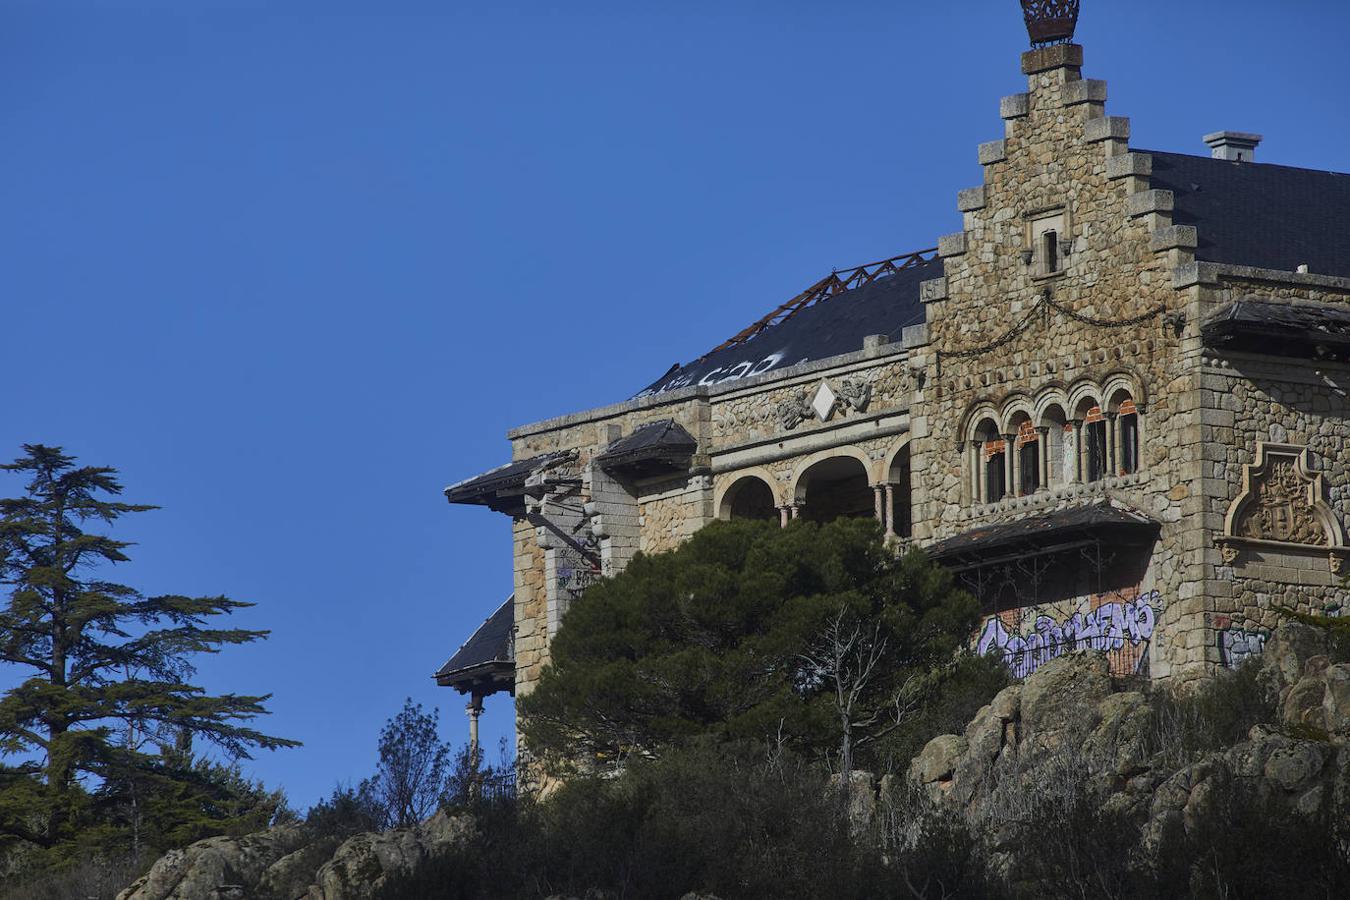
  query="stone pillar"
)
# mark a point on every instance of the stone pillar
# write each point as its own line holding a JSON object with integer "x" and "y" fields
{"x": 977, "y": 472}
{"x": 796, "y": 507}
{"x": 1043, "y": 456}
{"x": 474, "y": 709}
{"x": 1012, "y": 476}
{"x": 784, "y": 513}
{"x": 1113, "y": 445}
{"x": 878, "y": 503}
{"x": 890, "y": 510}
{"x": 1078, "y": 450}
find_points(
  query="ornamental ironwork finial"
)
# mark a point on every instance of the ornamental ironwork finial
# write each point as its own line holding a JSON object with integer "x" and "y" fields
{"x": 1050, "y": 21}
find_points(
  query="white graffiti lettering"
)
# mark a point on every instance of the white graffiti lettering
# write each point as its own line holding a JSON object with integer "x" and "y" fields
{"x": 1109, "y": 627}
{"x": 1237, "y": 646}
{"x": 719, "y": 375}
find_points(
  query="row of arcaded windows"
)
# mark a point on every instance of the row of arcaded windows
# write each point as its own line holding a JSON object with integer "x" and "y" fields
{"x": 1023, "y": 456}
{"x": 833, "y": 488}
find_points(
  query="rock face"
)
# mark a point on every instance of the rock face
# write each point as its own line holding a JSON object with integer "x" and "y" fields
{"x": 290, "y": 863}
{"x": 365, "y": 862}
{"x": 1069, "y": 727}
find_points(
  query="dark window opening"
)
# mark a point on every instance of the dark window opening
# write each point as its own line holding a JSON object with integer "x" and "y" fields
{"x": 1096, "y": 451}
{"x": 996, "y": 476}
{"x": 1050, "y": 251}
{"x": 752, "y": 499}
{"x": 1129, "y": 444}
{"x": 1029, "y": 461}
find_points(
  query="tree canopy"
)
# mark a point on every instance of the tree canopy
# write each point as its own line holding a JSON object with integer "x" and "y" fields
{"x": 749, "y": 631}
{"x": 107, "y": 702}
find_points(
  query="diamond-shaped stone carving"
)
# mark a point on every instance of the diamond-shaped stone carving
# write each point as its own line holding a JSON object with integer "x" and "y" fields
{"x": 824, "y": 402}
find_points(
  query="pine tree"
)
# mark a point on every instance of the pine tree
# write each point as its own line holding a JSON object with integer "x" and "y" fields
{"x": 102, "y": 660}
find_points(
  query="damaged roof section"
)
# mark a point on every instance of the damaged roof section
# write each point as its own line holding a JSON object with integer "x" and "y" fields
{"x": 1279, "y": 328}
{"x": 654, "y": 449}
{"x": 501, "y": 489}
{"x": 1051, "y": 532}
{"x": 486, "y": 663}
{"x": 828, "y": 319}
{"x": 1258, "y": 214}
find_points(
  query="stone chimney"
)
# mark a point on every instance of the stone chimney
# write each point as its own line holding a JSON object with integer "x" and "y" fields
{"x": 1235, "y": 145}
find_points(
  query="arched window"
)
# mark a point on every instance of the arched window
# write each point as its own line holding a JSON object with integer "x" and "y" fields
{"x": 1095, "y": 454}
{"x": 993, "y": 460}
{"x": 749, "y": 498}
{"x": 1125, "y": 446}
{"x": 1059, "y": 449}
{"x": 1026, "y": 455}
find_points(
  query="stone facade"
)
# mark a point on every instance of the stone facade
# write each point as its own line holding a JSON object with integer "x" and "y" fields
{"x": 1061, "y": 364}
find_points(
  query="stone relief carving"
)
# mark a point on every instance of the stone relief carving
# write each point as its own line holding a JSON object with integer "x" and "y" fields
{"x": 793, "y": 411}
{"x": 848, "y": 394}
{"x": 1282, "y": 502}
{"x": 855, "y": 393}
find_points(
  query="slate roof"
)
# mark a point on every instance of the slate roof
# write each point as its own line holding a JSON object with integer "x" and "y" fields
{"x": 1043, "y": 532}
{"x": 484, "y": 489}
{"x": 658, "y": 443}
{"x": 487, "y": 655}
{"x": 1259, "y": 214}
{"x": 828, "y": 328}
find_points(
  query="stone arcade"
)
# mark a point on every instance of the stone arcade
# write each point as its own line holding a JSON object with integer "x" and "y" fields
{"x": 1114, "y": 404}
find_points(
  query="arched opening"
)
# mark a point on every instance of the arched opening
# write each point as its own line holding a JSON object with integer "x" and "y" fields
{"x": 899, "y": 514}
{"x": 1059, "y": 448}
{"x": 1095, "y": 452}
{"x": 993, "y": 458}
{"x": 835, "y": 488}
{"x": 1026, "y": 455}
{"x": 749, "y": 498}
{"x": 1126, "y": 443}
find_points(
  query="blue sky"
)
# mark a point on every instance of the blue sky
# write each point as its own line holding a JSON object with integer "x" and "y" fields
{"x": 293, "y": 267}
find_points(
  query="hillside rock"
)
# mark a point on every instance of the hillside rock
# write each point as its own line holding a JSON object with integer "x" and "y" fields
{"x": 291, "y": 862}
{"x": 365, "y": 862}
{"x": 1070, "y": 728}
{"x": 218, "y": 867}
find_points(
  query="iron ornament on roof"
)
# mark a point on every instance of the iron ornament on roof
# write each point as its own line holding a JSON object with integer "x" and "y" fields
{"x": 1050, "y": 21}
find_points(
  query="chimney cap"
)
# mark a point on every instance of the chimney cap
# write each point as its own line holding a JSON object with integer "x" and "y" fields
{"x": 1235, "y": 145}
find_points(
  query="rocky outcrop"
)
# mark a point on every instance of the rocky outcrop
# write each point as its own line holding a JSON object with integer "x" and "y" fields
{"x": 1069, "y": 727}
{"x": 365, "y": 862}
{"x": 290, "y": 863}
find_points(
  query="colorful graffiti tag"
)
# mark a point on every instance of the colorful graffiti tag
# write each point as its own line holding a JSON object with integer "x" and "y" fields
{"x": 1121, "y": 628}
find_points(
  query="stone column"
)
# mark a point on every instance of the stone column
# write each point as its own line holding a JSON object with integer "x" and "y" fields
{"x": 878, "y": 501}
{"x": 784, "y": 513}
{"x": 796, "y": 508}
{"x": 1078, "y": 450}
{"x": 890, "y": 510}
{"x": 474, "y": 709}
{"x": 1113, "y": 445}
{"x": 1012, "y": 476}
{"x": 1043, "y": 456}
{"x": 978, "y": 471}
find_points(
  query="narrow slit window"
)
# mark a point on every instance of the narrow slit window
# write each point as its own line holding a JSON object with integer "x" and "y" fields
{"x": 1129, "y": 444}
{"x": 1050, "y": 251}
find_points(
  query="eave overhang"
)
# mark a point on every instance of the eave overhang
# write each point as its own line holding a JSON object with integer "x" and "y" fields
{"x": 485, "y": 664}
{"x": 1276, "y": 328}
{"x": 1038, "y": 535}
{"x": 501, "y": 489}
{"x": 658, "y": 448}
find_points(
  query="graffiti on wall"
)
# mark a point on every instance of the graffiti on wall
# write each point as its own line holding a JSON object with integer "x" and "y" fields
{"x": 1029, "y": 637}
{"x": 1237, "y": 645}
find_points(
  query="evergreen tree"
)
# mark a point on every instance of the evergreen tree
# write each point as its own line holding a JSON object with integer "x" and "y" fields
{"x": 102, "y": 661}
{"x": 817, "y": 637}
